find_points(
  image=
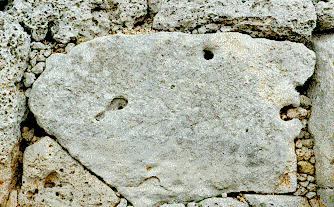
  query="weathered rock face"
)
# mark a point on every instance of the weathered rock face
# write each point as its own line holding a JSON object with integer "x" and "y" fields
{"x": 222, "y": 202}
{"x": 76, "y": 19}
{"x": 212, "y": 202}
{"x": 325, "y": 13}
{"x": 326, "y": 196}
{"x": 174, "y": 117}
{"x": 276, "y": 201}
{"x": 322, "y": 118}
{"x": 12, "y": 104}
{"x": 53, "y": 178}
{"x": 293, "y": 19}
{"x": 14, "y": 49}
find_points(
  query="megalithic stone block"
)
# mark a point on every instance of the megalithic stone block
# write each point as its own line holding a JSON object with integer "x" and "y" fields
{"x": 171, "y": 117}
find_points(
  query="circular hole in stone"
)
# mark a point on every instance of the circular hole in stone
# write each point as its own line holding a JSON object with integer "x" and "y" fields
{"x": 208, "y": 54}
{"x": 118, "y": 103}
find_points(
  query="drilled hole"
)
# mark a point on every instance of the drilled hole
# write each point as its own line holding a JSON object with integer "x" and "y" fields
{"x": 208, "y": 54}
{"x": 117, "y": 103}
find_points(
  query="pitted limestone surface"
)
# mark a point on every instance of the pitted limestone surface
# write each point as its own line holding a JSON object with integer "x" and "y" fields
{"x": 71, "y": 20}
{"x": 52, "y": 178}
{"x": 192, "y": 127}
{"x": 292, "y": 19}
{"x": 14, "y": 50}
{"x": 14, "y": 44}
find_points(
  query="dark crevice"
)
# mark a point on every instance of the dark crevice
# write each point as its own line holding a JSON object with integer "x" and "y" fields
{"x": 18, "y": 151}
{"x": 17, "y": 164}
{"x": 5, "y": 5}
{"x": 148, "y": 17}
{"x": 25, "y": 28}
{"x": 49, "y": 37}
{"x": 304, "y": 88}
{"x": 31, "y": 123}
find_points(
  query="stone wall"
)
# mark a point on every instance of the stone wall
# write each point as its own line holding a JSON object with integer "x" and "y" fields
{"x": 168, "y": 103}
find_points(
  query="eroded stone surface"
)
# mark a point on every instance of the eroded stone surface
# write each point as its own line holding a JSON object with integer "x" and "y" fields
{"x": 222, "y": 202}
{"x": 53, "y": 178}
{"x": 173, "y": 117}
{"x": 326, "y": 197}
{"x": 293, "y": 19}
{"x": 322, "y": 117}
{"x": 12, "y": 103}
{"x": 276, "y": 201}
{"x": 14, "y": 50}
{"x": 68, "y": 20}
{"x": 325, "y": 13}
{"x": 14, "y": 44}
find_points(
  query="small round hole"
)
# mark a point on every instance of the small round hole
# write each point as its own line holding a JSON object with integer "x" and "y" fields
{"x": 208, "y": 55}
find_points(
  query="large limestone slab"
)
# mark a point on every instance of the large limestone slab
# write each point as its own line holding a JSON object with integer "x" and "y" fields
{"x": 276, "y": 201}
{"x": 322, "y": 117}
{"x": 53, "y": 178}
{"x": 14, "y": 50}
{"x": 174, "y": 117}
{"x": 292, "y": 19}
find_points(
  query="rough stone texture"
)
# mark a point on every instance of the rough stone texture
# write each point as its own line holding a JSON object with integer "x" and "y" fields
{"x": 222, "y": 202}
{"x": 154, "y": 6}
{"x": 14, "y": 44}
{"x": 173, "y": 205}
{"x": 76, "y": 19}
{"x": 322, "y": 117}
{"x": 293, "y": 19}
{"x": 53, "y": 178}
{"x": 212, "y": 202}
{"x": 325, "y": 13}
{"x": 15, "y": 47}
{"x": 326, "y": 197}
{"x": 276, "y": 201}
{"x": 12, "y": 105}
{"x": 157, "y": 120}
